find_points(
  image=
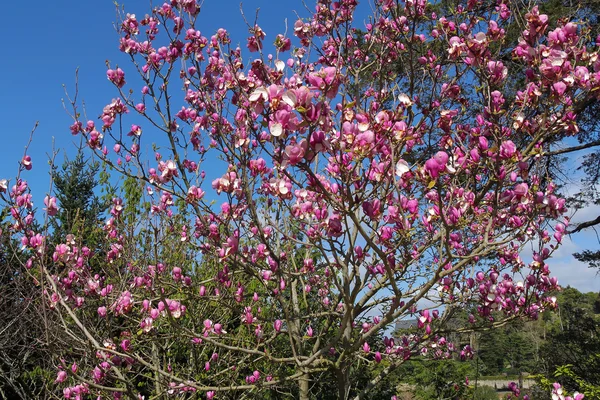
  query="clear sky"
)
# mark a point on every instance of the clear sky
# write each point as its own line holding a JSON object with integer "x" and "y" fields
{"x": 44, "y": 42}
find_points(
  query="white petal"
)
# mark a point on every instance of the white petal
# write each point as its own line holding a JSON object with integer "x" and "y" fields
{"x": 283, "y": 188}
{"x": 258, "y": 93}
{"x": 279, "y": 65}
{"x": 405, "y": 100}
{"x": 402, "y": 168}
{"x": 289, "y": 98}
{"x": 276, "y": 129}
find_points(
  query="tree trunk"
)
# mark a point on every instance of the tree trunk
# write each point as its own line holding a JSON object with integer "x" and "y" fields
{"x": 156, "y": 362}
{"x": 304, "y": 385}
{"x": 343, "y": 382}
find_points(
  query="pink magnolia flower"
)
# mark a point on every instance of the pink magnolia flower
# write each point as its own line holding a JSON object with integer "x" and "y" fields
{"x": 126, "y": 345}
{"x": 326, "y": 80}
{"x": 366, "y": 348}
{"x": 254, "y": 43}
{"x": 219, "y": 329}
{"x": 117, "y": 77}
{"x": 377, "y": 357}
{"x": 507, "y": 149}
{"x": 51, "y": 207}
{"x": 26, "y": 162}
{"x": 457, "y": 46}
{"x": 558, "y": 393}
{"x": 295, "y": 153}
{"x": 136, "y": 130}
{"x": 102, "y": 311}
{"x": 437, "y": 164}
{"x": 497, "y": 71}
{"x": 559, "y": 88}
{"x": 98, "y": 375}
{"x": 61, "y": 377}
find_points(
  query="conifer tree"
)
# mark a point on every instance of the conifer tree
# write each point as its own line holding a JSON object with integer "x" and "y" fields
{"x": 80, "y": 207}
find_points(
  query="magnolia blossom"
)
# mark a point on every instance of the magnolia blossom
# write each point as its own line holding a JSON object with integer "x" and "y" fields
{"x": 61, "y": 377}
{"x": 26, "y": 162}
{"x": 116, "y": 76}
{"x": 402, "y": 168}
{"x": 434, "y": 166}
{"x": 51, "y": 207}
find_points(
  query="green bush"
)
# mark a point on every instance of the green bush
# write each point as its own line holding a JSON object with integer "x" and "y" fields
{"x": 485, "y": 393}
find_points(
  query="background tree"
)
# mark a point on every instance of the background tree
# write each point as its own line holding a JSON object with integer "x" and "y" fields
{"x": 81, "y": 209}
{"x": 438, "y": 379}
{"x": 508, "y": 350}
{"x": 572, "y": 347}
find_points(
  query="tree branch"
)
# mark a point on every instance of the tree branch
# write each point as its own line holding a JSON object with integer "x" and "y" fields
{"x": 585, "y": 225}
{"x": 574, "y": 148}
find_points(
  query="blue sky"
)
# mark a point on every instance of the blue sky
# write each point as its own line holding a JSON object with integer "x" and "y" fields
{"x": 45, "y": 42}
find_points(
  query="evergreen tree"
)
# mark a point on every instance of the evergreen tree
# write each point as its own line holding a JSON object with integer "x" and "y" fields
{"x": 572, "y": 348}
{"x": 80, "y": 207}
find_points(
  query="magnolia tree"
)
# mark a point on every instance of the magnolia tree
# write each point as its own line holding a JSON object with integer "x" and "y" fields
{"x": 282, "y": 211}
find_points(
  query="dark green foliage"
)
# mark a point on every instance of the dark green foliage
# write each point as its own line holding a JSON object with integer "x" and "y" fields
{"x": 574, "y": 339}
{"x": 439, "y": 379}
{"x": 507, "y": 350}
{"x": 591, "y": 257}
{"x": 485, "y": 393}
{"x": 80, "y": 209}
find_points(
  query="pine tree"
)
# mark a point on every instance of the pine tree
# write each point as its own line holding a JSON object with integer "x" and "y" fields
{"x": 80, "y": 207}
